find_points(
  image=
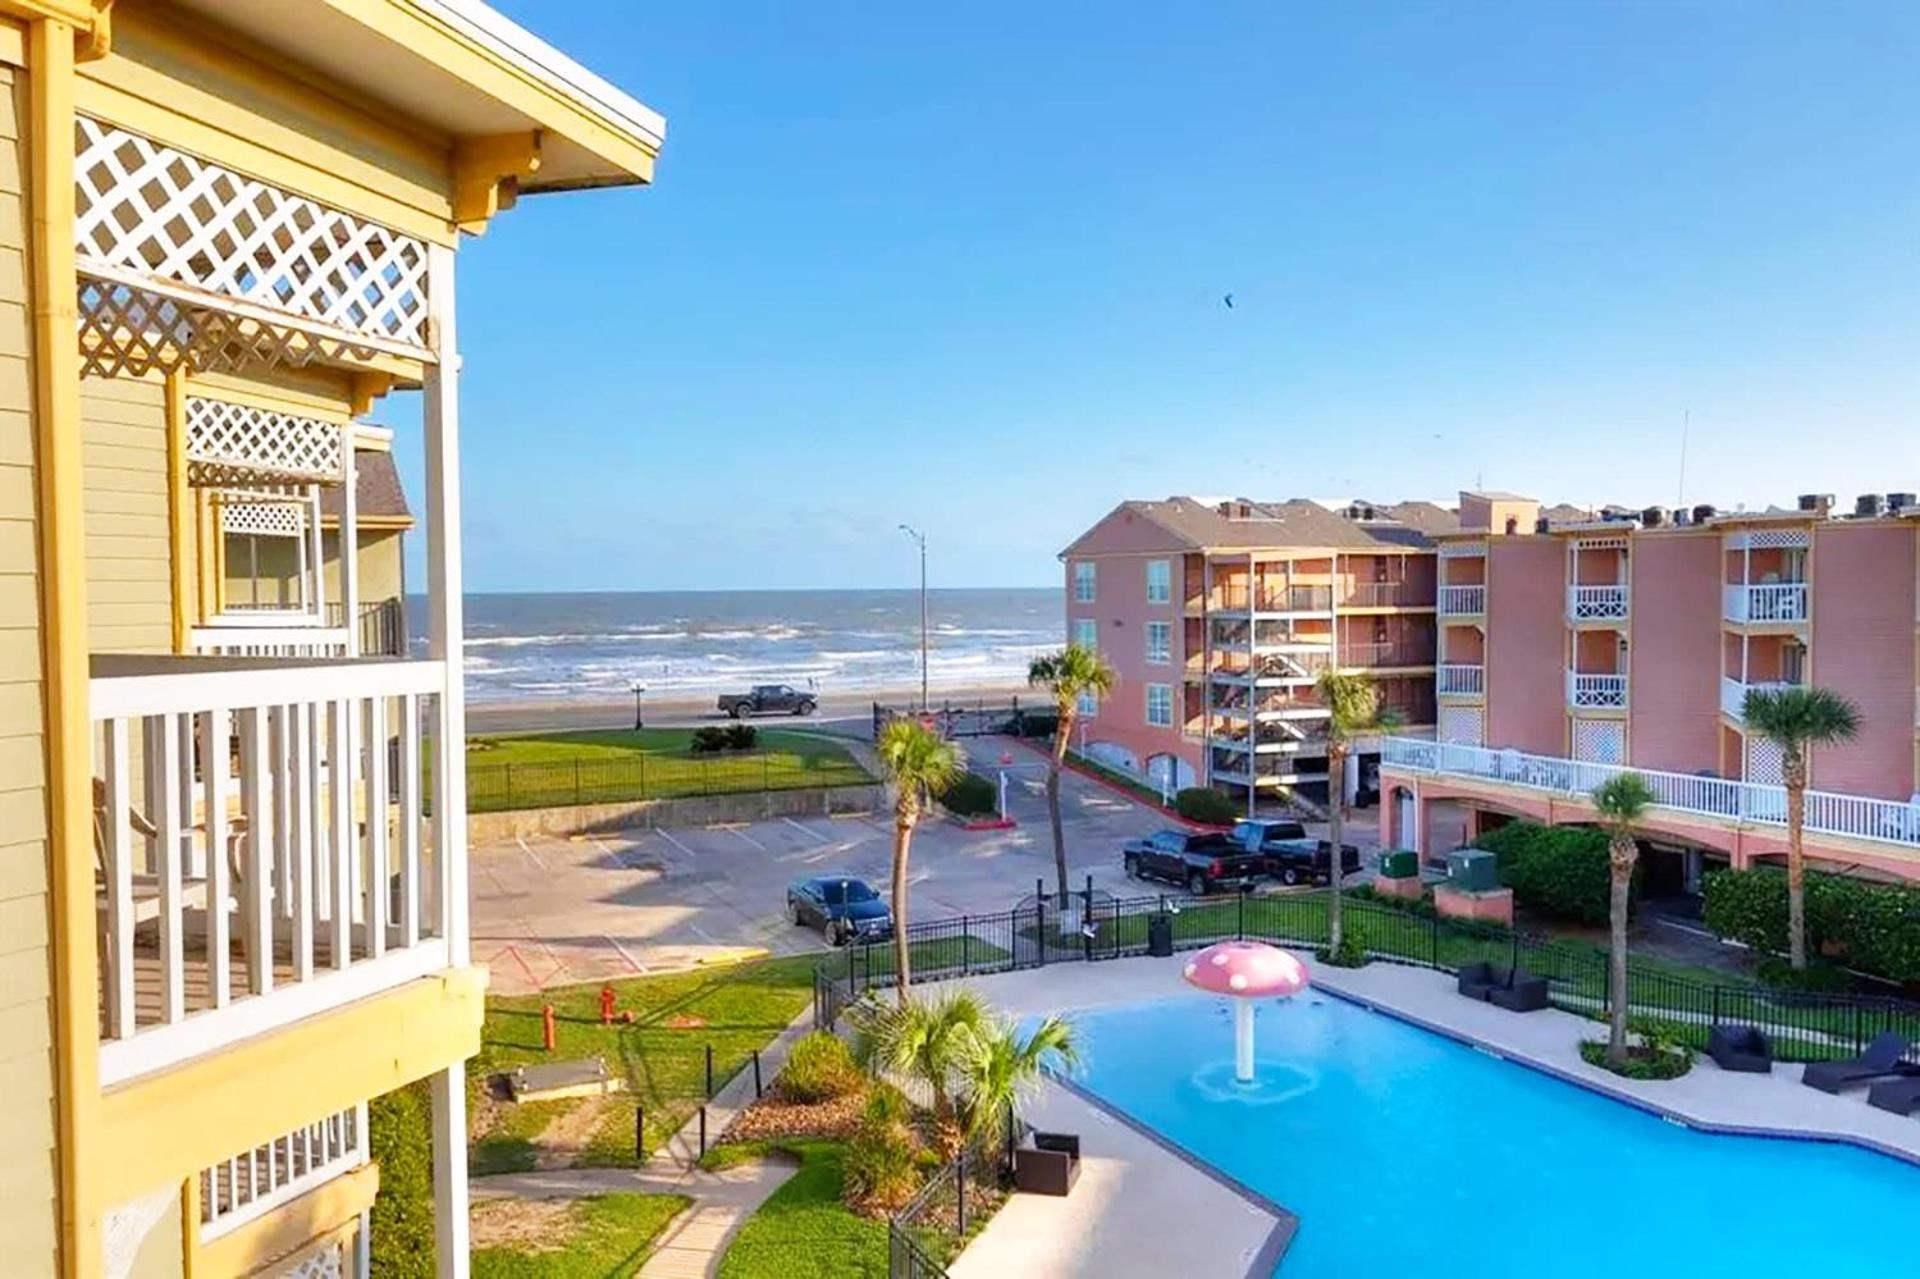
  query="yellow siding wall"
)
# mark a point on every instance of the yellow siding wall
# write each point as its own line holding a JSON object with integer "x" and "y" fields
{"x": 27, "y": 1175}
{"x": 380, "y": 567}
{"x": 129, "y": 576}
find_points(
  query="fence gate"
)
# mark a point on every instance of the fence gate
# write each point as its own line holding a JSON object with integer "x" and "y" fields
{"x": 963, "y": 718}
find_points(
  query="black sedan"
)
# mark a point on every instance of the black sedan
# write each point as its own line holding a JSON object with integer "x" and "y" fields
{"x": 843, "y": 907}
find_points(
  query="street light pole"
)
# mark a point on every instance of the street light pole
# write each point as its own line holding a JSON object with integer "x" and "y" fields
{"x": 921, "y": 538}
{"x": 639, "y": 691}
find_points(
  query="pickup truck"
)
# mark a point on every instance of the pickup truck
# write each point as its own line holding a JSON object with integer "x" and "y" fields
{"x": 768, "y": 699}
{"x": 1289, "y": 855}
{"x": 1198, "y": 863}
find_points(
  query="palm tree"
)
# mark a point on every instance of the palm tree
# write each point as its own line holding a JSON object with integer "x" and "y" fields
{"x": 1005, "y": 1070}
{"x": 1796, "y": 718}
{"x": 1068, "y": 674}
{"x": 920, "y": 764}
{"x": 1353, "y": 710}
{"x": 933, "y": 1041}
{"x": 1620, "y": 802}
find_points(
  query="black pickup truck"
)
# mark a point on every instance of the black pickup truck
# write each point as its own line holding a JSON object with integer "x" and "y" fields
{"x": 1288, "y": 854}
{"x": 768, "y": 699}
{"x": 1198, "y": 863}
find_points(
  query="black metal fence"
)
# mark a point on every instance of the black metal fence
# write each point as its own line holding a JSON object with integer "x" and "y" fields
{"x": 1804, "y": 1026}
{"x": 978, "y": 718}
{"x": 940, "y": 1218}
{"x": 493, "y": 788}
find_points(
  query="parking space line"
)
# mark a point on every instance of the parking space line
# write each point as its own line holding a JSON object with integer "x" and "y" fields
{"x": 804, "y": 830}
{"x": 531, "y": 855}
{"x": 666, "y": 835}
{"x": 743, "y": 835}
{"x": 632, "y": 963}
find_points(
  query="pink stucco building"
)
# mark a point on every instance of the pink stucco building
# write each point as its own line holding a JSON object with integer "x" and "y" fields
{"x": 1217, "y": 617}
{"x": 1568, "y": 646}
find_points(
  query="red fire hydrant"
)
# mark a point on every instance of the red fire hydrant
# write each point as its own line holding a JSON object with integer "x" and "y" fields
{"x": 606, "y": 1005}
{"x": 547, "y": 1032}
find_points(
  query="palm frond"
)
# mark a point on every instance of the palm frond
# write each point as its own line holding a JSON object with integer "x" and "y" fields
{"x": 1622, "y": 800}
{"x": 1798, "y": 717}
{"x": 1070, "y": 672}
{"x": 1353, "y": 705}
{"x": 916, "y": 758}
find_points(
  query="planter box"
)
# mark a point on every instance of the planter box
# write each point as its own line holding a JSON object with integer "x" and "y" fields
{"x": 1493, "y": 906}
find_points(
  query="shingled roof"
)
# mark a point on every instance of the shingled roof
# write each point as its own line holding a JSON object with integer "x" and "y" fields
{"x": 1295, "y": 522}
{"x": 377, "y": 490}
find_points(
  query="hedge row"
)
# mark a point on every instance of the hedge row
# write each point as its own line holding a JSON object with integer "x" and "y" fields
{"x": 972, "y": 795}
{"x": 1874, "y": 928}
{"x": 1561, "y": 871}
{"x": 1205, "y": 804}
{"x": 400, "y": 1140}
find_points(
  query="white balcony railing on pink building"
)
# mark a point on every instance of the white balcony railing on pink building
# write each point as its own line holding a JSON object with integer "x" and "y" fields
{"x": 262, "y": 846}
{"x": 1767, "y": 602}
{"x": 1606, "y": 603}
{"x": 1828, "y": 813}
{"x": 1733, "y": 695}
{"x": 1461, "y": 680}
{"x": 1463, "y": 601}
{"x": 1597, "y": 692}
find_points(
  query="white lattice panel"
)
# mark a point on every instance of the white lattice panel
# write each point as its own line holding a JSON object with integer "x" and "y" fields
{"x": 1600, "y": 741}
{"x": 1461, "y": 725}
{"x": 227, "y": 439}
{"x": 263, "y": 519}
{"x": 329, "y": 1262}
{"x": 1761, "y": 539}
{"x": 1600, "y": 544}
{"x": 1764, "y": 763}
{"x": 1457, "y": 550}
{"x": 150, "y": 209}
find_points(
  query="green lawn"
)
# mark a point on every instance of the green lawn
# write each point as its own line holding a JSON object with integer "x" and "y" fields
{"x": 661, "y": 1056}
{"x": 804, "y": 1231}
{"x": 541, "y": 770}
{"x": 610, "y": 1236}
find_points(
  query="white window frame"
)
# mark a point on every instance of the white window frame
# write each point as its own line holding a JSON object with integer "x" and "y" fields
{"x": 1167, "y": 691}
{"x": 1086, "y": 581}
{"x": 1160, "y": 654}
{"x": 1161, "y": 591}
{"x": 1089, "y": 705}
{"x": 1086, "y": 633}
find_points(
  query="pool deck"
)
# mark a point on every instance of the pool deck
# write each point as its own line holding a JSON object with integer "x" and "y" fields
{"x": 1136, "y": 1207}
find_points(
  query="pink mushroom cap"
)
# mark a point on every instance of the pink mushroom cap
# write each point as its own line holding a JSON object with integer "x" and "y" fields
{"x": 1248, "y": 968}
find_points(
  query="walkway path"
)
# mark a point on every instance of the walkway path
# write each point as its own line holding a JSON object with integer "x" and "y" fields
{"x": 693, "y": 1243}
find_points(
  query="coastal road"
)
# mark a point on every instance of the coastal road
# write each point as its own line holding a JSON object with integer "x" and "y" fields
{"x": 554, "y": 911}
{"x": 848, "y": 714}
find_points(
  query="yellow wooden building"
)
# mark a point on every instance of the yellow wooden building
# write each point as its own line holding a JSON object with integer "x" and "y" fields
{"x": 233, "y": 897}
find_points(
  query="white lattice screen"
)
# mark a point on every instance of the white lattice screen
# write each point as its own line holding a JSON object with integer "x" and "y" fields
{"x": 1600, "y": 741}
{"x": 1765, "y": 538}
{"x": 1461, "y": 725}
{"x": 329, "y": 1262}
{"x": 1764, "y": 764}
{"x": 161, "y": 236}
{"x": 264, "y": 519}
{"x": 227, "y": 441}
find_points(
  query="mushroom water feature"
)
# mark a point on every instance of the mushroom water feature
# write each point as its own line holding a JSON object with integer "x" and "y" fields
{"x": 1245, "y": 970}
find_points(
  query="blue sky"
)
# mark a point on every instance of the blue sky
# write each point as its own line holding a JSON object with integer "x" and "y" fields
{"x": 963, "y": 266}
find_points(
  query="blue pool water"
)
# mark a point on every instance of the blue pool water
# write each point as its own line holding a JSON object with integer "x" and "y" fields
{"x": 1402, "y": 1150}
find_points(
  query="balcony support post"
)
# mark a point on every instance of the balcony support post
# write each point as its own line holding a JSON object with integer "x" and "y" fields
{"x": 445, "y": 625}
{"x": 347, "y": 542}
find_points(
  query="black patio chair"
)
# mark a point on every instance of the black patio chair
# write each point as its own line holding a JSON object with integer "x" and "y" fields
{"x": 1741, "y": 1048}
{"x": 1047, "y": 1163}
{"x": 1881, "y": 1059}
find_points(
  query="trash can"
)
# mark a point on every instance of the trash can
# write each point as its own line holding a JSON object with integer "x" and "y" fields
{"x": 1160, "y": 935}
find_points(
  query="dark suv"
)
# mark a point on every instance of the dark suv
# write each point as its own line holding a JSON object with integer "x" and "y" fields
{"x": 1198, "y": 863}
{"x": 1289, "y": 855}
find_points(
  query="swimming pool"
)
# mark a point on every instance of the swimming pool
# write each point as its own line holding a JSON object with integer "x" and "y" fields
{"x": 1401, "y": 1150}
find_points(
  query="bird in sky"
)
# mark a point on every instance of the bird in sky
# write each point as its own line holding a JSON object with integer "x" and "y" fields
{"x": 1228, "y": 299}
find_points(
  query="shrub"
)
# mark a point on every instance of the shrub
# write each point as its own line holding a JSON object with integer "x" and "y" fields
{"x": 1819, "y": 976}
{"x": 1036, "y": 723}
{"x": 1664, "y": 1050}
{"x": 1872, "y": 927}
{"x": 1350, "y": 954}
{"x": 1560, "y": 871}
{"x": 972, "y": 796}
{"x": 1205, "y": 804}
{"x": 741, "y": 737}
{"x": 709, "y": 740}
{"x": 882, "y": 1166}
{"x": 819, "y": 1068}
{"x": 400, "y": 1140}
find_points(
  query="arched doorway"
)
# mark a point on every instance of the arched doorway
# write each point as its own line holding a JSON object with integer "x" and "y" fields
{"x": 1169, "y": 772}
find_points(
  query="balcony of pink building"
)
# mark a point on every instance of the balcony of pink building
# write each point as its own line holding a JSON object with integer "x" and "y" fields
{"x": 1765, "y": 577}
{"x": 1597, "y": 589}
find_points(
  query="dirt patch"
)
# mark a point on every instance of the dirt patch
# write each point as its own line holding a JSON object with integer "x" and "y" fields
{"x": 684, "y": 1021}
{"x": 562, "y": 1142}
{"x": 524, "y": 1225}
{"x": 772, "y": 1117}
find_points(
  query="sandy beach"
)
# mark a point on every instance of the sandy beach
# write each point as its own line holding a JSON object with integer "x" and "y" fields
{"x": 841, "y": 708}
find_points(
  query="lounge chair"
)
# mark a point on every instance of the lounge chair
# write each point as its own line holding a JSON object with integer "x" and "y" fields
{"x": 1514, "y": 989}
{"x": 1880, "y": 1060}
{"x": 1046, "y": 1163}
{"x": 1742, "y": 1048}
{"x": 1901, "y": 1096}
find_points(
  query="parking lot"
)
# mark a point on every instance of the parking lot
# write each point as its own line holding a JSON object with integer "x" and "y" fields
{"x": 552, "y": 911}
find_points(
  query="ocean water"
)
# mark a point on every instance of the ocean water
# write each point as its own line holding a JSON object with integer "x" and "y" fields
{"x": 591, "y": 647}
{"x": 1405, "y": 1153}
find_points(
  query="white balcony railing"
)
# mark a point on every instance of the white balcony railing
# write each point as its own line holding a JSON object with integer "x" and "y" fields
{"x": 261, "y": 846}
{"x": 1828, "y": 813}
{"x": 1767, "y": 602}
{"x": 1459, "y": 679}
{"x": 1463, "y": 601}
{"x": 254, "y": 1183}
{"x": 1597, "y": 603}
{"x": 1596, "y": 691}
{"x": 1733, "y": 695}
